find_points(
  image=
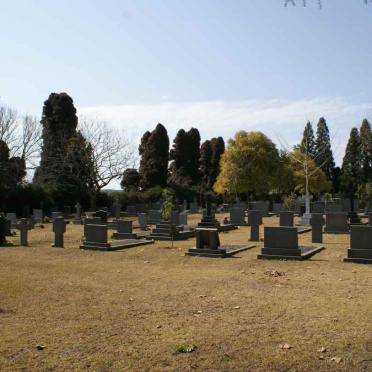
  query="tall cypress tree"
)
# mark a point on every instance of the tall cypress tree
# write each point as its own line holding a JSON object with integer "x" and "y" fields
{"x": 64, "y": 155}
{"x": 154, "y": 149}
{"x": 307, "y": 145}
{"x": 130, "y": 180}
{"x": 324, "y": 156}
{"x": 366, "y": 150}
{"x": 218, "y": 148}
{"x": 206, "y": 165}
{"x": 185, "y": 154}
{"x": 351, "y": 170}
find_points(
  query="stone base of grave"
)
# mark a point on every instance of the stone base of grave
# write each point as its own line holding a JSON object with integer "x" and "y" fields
{"x": 221, "y": 252}
{"x": 336, "y": 231}
{"x": 359, "y": 256}
{"x": 303, "y": 229}
{"x": 116, "y": 245}
{"x": 122, "y": 236}
{"x": 166, "y": 231}
{"x": 302, "y": 253}
{"x": 226, "y": 227}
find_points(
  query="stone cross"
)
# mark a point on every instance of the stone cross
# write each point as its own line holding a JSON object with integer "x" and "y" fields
{"x": 23, "y": 228}
{"x": 59, "y": 228}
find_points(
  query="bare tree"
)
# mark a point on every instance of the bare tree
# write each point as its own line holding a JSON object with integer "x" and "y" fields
{"x": 112, "y": 153}
{"x": 23, "y": 136}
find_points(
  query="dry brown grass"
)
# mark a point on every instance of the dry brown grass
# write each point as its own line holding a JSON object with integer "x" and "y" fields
{"x": 130, "y": 310}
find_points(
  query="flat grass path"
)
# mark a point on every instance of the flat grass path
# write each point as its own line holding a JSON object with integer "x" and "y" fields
{"x": 131, "y": 310}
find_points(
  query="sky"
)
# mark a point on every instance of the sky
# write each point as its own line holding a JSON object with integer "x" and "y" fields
{"x": 220, "y": 66}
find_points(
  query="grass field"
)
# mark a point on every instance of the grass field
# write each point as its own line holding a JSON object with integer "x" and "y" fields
{"x": 137, "y": 309}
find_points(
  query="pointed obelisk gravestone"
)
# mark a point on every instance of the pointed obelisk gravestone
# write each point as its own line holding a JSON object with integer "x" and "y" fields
{"x": 23, "y": 229}
{"x": 317, "y": 222}
{"x": 59, "y": 228}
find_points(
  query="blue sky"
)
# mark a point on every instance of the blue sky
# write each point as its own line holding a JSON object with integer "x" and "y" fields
{"x": 217, "y": 65}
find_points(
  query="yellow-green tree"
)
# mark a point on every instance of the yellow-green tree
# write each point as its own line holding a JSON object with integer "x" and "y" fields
{"x": 248, "y": 165}
{"x": 300, "y": 164}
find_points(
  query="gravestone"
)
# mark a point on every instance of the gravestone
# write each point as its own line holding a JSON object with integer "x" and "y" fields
{"x": 282, "y": 243}
{"x": 117, "y": 208}
{"x": 260, "y": 206}
{"x": 286, "y": 219}
{"x": 208, "y": 245}
{"x": 255, "y": 220}
{"x": 102, "y": 214}
{"x": 56, "y": 214}
{"x": 333, "y": 207}
{"x": 194, "y": 207}
{"x": 77, "y": 220}
{"x": 142, "y": 220}
{"x": 278, "y": 207}
{"x": 317, "y": 207}
{"x": 131, "y": 210}
{"x": 336, "y": 223}
{"x": 8, "y": 227}
{"x": 23, "y": 229}
{"x": 360, "y": 250}
{"x": 183, "y": 218}
{"x": 31, "y": 223}
{"x": 59, "y": 228}
{"x": 370, "y": 219}
{"x": 91, "y": 221}
{"x": 96, "y": 239}
{"x": 38, "y": 215}
{"x": 175, "y": 218}
{"x": 124, "y": 230}
{"x": 154, "y": 217}
{"x": 317, "y": 223}
{"x": 254, "y": 214}
{"x": 12, "y": 217}
{"x": 166, "y": 230}
{"x": 237, "y": 216}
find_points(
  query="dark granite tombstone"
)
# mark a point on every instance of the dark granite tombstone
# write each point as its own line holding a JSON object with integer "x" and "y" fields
{"x": 59, "y": 228}
{"x": 182, "y": 218}
{"x": 370, "y": 219}
{"x": 194, "y": 207}
{"x": 124, "y": 230}
{"x": 95, "y": 238}
{"x": 286, "y": 219}
{"x": 317, "y": 207}
{"x": 336, "y": 223}
{"x": 154, "y": 217}
{"x": 38, "y": 215}
{"x": 255, "y": 220}
{"x": 77, "y": 220}
{"x": 23, "y": 229}
{"x": 102, "y": 214}
{"x": 256, "y": 215}
{"x": 360, "y": 250}
{"x": 8, "y": 227}
{"x": 262, "y": 206}
{"x": 165, "y": 230}
{"x": 12, "y": 217}
{"x": 175, "y": 218}
{"x": 317, "y": 223}
{"x": 142, "y": 220}
{"x": 278, "y": 207}
{"x": 208, "y": 245}
{"x": 116, "y": 208}
{"x": 237, "y": 216}
{"x": 282, "y": 243}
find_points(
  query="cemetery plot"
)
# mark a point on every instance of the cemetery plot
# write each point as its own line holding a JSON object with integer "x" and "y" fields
{"x": 208, "y": 245}
{"x": 125, "y": 231}
{"x": 168, "y": 231}
{"x": 360, "y": 250}
{"x": 95, "y": 238}
{"x": 282, "y": 243}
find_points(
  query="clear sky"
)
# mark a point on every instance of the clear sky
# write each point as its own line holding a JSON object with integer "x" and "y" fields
{"x": 217, "y": 65}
